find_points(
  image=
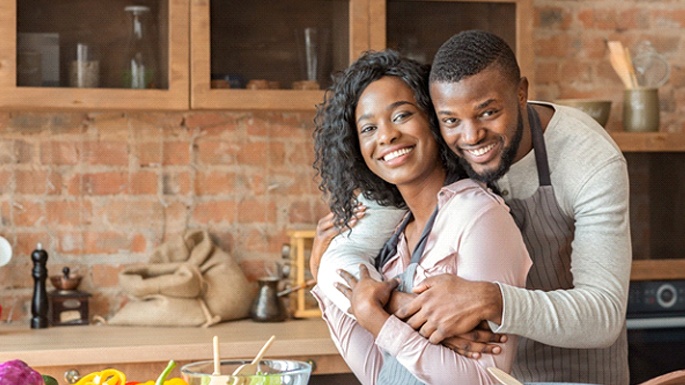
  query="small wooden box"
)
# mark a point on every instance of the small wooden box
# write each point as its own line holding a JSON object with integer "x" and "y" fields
{"x": 302, "y": 303}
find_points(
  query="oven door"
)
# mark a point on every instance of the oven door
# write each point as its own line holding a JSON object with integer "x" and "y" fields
{"x": 655, "y": 347}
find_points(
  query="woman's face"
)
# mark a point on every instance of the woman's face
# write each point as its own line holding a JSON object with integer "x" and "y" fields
{"x": 394, "y": 133}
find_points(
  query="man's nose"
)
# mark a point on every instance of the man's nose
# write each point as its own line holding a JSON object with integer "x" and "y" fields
{"x": 472, "y": 133}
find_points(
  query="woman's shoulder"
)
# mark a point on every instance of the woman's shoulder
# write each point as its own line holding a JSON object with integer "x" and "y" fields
{"x": 468, "y": 189}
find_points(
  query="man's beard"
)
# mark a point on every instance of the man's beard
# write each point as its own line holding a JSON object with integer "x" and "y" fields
{"x": 507, "y": 159}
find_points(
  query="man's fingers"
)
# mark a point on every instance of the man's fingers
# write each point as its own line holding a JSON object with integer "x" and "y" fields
{"x": 427, "y": 330}
{"x": 349, "y": 278}
{"x": 345, "y": 290}
{"x": 437, "y": 337}
{"x": 408, "y": 310}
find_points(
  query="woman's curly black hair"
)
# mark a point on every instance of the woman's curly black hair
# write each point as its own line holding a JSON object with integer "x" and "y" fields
{"x": 338, "y": 159}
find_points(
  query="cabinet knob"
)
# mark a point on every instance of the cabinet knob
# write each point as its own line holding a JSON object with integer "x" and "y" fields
{"x": 72, "y": 376}
{"x": 312, "y": 363}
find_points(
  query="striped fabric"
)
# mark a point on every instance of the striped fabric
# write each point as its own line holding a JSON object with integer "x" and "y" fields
{"x": 548, "y": 234}
{"x": 548, "y": 239}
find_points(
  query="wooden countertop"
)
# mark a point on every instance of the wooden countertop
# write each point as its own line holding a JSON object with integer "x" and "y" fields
{"x": 83, "y": 345}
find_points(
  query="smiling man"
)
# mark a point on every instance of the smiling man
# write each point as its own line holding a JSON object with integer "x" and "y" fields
{"x": 566, "y": 183}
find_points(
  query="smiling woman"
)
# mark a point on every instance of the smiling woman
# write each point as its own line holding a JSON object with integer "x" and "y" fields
{"x": 377, "y": 133}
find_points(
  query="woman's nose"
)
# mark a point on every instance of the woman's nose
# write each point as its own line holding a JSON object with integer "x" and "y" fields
{"x": 387, "y": 133}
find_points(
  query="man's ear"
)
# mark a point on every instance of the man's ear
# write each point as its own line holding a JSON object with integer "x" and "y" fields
{"x": 523, "y": 91}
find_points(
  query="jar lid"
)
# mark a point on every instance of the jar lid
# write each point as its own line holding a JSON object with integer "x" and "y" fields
{"x": 137, "y": 8}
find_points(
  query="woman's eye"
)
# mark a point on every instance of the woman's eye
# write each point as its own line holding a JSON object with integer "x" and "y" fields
{"x": 367, "y": 128}
{"x": 401, "y": 116}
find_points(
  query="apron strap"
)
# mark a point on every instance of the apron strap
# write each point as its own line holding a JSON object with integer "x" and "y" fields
{"x": 390, "y": 249}
{"x": 539, "y": 147}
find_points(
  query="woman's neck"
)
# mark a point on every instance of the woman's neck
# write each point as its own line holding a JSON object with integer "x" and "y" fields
{"x": 421, "y": 198}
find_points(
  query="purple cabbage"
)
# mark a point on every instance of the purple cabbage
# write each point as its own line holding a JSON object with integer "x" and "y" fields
{"x": 17, "y": 372}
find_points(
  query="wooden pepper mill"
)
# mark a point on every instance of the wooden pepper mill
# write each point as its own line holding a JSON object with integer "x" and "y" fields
{"x": 39, "y": 305}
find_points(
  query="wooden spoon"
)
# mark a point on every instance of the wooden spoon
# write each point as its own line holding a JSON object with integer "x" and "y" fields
{"x": 503, "y": 377}
{"x": 618, "y": 58}
{"x": 251, "y": 368}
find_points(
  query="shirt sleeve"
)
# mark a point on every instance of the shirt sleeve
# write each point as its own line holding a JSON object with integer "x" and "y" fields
{"x": 592, "y": 313}
{"x": 359, "y": 245}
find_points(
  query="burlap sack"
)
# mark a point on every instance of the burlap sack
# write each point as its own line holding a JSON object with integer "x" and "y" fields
{"x": 188, "y": 281}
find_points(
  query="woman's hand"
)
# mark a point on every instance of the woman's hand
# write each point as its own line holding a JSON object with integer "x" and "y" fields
{"x": 326, "y": 230}
{"x": 479, "y": 341}
{"x": 368, "y": 298}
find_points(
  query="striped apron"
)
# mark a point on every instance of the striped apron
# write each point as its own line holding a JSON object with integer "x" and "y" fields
{"x": 547, "y": 233}
{"x": 392, "y": 372}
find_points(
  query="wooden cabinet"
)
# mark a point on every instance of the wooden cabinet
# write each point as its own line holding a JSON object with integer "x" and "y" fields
{"x": 417, "y": 28}
{"x": 104, "y": 25}
{"x": 656, "y": 166}
{"x": 141, "y": 352}
{"x": 204, "y": 46}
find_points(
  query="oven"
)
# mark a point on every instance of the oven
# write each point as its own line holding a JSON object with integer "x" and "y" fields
{"x": 656, "y": 328}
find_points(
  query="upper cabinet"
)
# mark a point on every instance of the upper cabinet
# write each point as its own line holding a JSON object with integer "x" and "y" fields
{"x": 82, "y": 54}
{"x": 272, "y": 54}
{"x": 229, "y": 54}
{"x": 417, "y": 28}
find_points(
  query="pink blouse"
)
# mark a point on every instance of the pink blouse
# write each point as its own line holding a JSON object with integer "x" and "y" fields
{"x": 471, "y": 230}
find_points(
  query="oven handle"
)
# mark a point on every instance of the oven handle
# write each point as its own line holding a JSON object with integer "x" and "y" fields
{"x": 655, "y": 323}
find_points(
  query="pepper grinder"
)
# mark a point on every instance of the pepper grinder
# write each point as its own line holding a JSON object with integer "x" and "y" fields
{"x": 39, "y": 305}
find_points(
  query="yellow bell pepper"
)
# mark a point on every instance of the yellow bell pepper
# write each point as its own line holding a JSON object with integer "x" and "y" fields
{"x": 171, "y": 381}
{"x": 105, "y": 377}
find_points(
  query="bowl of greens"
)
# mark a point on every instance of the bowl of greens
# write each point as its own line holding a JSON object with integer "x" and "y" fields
{"x": 269, "y": 372}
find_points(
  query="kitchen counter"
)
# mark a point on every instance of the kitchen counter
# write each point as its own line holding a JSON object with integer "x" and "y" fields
{"x": 144, "y": 351}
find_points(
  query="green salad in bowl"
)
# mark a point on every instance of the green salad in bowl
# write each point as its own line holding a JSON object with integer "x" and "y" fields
{"x": 270, "y": 372}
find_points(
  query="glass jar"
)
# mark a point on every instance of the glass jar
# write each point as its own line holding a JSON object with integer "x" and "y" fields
{"x": 84, "y": 70}
{"x": 140, "y": 69}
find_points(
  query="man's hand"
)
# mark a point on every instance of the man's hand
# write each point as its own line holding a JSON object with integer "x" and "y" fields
{"x": 449, "y": 306}
{"x": 326, "y": 230}
{"x": 367, "y": 298}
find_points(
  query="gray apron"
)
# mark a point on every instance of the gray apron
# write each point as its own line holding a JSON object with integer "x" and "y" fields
{"x": 548, "y": 233}
{"x": 392, "y": 372}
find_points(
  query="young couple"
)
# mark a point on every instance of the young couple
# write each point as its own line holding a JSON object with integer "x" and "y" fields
{"x": 457, "y": 256}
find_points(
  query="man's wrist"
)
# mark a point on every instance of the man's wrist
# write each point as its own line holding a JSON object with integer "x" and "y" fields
{"x": 494, "y": 302}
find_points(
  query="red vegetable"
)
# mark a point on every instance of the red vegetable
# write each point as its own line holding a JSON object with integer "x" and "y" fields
{"x": 18, "y": 372}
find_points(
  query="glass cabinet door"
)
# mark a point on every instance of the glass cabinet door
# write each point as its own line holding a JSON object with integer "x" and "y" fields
{"x": 84, "y": 54}
{"x": 272, "y": 54}
{"x": 417, "y": 28}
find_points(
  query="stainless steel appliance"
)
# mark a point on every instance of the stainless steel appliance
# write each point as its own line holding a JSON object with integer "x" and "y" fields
{"x": 656, "y": 328}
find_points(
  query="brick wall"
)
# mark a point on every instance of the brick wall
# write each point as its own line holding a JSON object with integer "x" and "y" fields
{"x": 571, "y": 58}
{"x": 101, "y": 190}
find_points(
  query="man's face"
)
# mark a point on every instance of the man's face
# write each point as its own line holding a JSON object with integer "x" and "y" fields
{"x": 481, "y": 120}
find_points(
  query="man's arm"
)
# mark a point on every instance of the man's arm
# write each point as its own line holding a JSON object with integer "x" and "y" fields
{"x": 601, "y": 261}
{"x": 361, "y": 244}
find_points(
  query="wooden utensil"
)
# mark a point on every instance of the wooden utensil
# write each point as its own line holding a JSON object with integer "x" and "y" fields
{"x": 217, "y": 378}
{"x": 251, "y": 368}
{"x": 621, "y": 64}
{"x": 503, "y": 377}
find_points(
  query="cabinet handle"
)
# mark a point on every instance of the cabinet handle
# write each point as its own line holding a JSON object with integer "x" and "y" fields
{"x": 312, "y": 363}
{"x": 72, "y": 376}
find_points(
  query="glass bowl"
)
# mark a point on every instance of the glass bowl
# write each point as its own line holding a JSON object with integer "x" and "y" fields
{"x": 271, "y": 372}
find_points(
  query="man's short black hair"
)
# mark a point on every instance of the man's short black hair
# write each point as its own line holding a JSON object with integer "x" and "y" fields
{"x": 470, "y": 52}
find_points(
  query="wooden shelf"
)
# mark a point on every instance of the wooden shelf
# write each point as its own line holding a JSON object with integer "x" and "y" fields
{"x": 658, "y": 269}
{"x": 649, "y": 141}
